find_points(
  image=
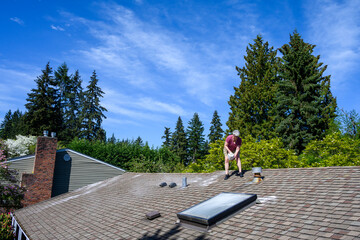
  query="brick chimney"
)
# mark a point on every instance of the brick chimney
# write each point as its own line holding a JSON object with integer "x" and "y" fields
{"x": 39, "y": 183}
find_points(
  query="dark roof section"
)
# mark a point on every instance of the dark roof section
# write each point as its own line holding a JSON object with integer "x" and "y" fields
{"x": 311, "y": 203}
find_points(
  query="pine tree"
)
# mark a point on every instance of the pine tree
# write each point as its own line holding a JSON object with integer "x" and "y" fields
{"x": 195, "y": 138}
{"x": 167, "y": 137}
{"x": 76, "y": 104}
{"x": 70, "y": 96}
{"x": 43, "y": 107}
{"x": 253, "y": 101}
{"x": 179, "y": 143}
{"x": 216, "y": 132}
{"x": 6, "y": 126}
{"x": 139, "y": 141}
{"x": 306, "y": 106}
{"x": 112, "y": 139}
{"x": 92, "y": 112}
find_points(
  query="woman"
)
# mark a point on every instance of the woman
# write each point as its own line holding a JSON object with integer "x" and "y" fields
{"x": 232, "y": 149}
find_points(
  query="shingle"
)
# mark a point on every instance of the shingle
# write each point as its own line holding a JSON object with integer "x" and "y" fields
{"x": 310, "y": 203}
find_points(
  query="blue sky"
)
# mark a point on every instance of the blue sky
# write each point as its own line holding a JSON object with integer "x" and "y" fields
{"x": 157, "y": 60}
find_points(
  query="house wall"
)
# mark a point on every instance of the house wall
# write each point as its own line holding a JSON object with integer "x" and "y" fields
{"x": 22, "y": 165}
{"x": 79, "y": 171}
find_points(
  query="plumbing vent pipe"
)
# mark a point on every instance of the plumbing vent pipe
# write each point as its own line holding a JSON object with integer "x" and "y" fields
{"x": 45, "y": 132}
{"x": 257, "y": 174}
{"x": 184, "y": 182}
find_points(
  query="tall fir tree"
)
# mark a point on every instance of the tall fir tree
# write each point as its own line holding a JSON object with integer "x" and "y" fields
{"x": 70, "y": 97}
{"x": 166, "y": 137}
{"x": 92, "y": 112}
{"x": 179, "y": 143}
{"x": 6, "y": 126}
{"x": 43, "y": 105}
{"x": 253, "y": 101}
{"x": 306, "y": 107}
{"x": 216, "y": 131}
{"x": 195, "y": 138}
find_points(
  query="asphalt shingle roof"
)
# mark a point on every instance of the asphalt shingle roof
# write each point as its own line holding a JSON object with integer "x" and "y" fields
{"x": 311, "y": 203}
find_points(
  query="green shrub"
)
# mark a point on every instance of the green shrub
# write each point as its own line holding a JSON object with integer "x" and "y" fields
{"x": 130, "y": 155}
{"x": 6, "y": 231}
{"x": 265, "y": 154}
{"x": 334, "y": 150}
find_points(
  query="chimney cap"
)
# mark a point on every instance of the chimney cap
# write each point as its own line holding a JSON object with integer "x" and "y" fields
{"x": 45, "y": 132}
{"x": 53, "y": 134}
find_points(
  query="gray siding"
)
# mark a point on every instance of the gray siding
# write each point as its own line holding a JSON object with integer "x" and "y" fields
{"x": 22, "y": 165}
{"x": 79, "y": 171}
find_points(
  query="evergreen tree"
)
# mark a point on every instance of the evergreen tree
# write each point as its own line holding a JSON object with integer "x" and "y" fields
{"x": 216, "y": 132}
{"x": 76, "y": 105}
{"x": 70, "y": 97}
{"x": 167, "y": 137}
{"x": 139, "y": 141}
{"x": 195, "y": 138}
{"x": 179, "y": 143}
{"x": 306, "y": 107}
{"x": 6, "y": 126}
{"x": 253, "y": 101}
{"x": 18, "y": 126}
{"x": 92, "y": 112}
{"x": 112, "y": 139}
{"x": 43, "y": 107}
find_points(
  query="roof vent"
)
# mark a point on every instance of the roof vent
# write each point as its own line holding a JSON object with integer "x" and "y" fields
{"x": 215, "y": 210}
{"x": 152, "y": 215}
{"x": 163, "y": 184}
{"x": 171, "y": 185}
{"x": 257, "y": 174}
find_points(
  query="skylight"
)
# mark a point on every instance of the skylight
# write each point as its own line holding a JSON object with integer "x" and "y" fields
{"x": 215, "y": 210}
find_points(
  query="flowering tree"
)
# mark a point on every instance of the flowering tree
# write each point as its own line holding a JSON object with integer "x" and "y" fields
{"x": 20, "y": 146}
{"x": 11, "y": 193}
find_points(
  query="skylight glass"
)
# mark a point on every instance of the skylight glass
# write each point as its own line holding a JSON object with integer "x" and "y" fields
{"x": 216, "y": 209}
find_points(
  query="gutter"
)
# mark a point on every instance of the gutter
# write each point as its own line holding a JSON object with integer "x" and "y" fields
{"x": 19, "y": 233}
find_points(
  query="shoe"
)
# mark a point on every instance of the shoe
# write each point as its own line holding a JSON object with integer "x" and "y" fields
{"x": 241, "y": 174}
{"x": 226, "y": 177}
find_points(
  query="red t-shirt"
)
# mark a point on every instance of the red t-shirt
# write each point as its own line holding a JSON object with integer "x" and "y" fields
{"x": 231, "y": 144}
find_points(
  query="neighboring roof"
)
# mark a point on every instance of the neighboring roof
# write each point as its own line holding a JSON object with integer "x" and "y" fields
{"x": 63, "y": 150}
{"x": 91, "y": 158}
{"x": 311, "y": 203}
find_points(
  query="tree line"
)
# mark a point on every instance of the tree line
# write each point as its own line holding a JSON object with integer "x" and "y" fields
{"x": 190, "y": 144}
{"x": 59, "y": 104}
{"x": 282, "y": 106}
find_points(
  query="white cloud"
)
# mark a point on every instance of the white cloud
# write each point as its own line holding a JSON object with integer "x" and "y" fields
{"x": 141, "y": 107}
{"x": 17, "y": 20}
{"x": 57, "y": 28}
{"x": 335, "y": 30}
{"x": 141, "y": 53}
